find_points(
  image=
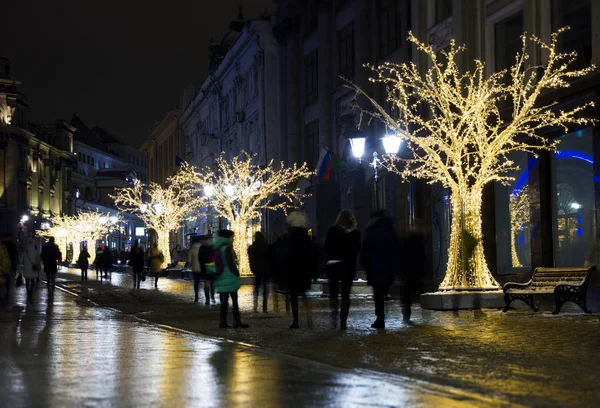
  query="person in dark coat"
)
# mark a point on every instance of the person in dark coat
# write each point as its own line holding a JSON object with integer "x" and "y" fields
{"x": 258, "y": 254}
{"x": 297, "y": 261}
{"x": 99, "y": 261}
{"x": 341, "y": 248}
{"x": 51, "y": 256}
{"x": 136, "y": 262}
{"x": 13, "y": 253}
{"x": 414, "y": 261}
{"x": 83, "y": 262}
{"x": 107, "y": 262}
{"x": 379, "y": 256}
{"x": 205, "y": 252}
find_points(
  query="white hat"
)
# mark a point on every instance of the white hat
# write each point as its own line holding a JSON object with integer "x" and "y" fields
{"x": 296, "y": 219}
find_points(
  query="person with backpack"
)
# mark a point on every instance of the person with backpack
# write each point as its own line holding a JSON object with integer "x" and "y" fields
{"x": 155, "y": 260}
{"x": 227, "y": 281}
{"x": 51, "y": 256}
{"x": 136, "y": 262}
{"x": 83, "y": 262}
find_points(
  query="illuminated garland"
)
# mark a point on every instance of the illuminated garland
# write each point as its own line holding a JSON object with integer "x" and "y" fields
{"x": 454, "y": 129}
{"x": 241, "y": 191}
{"x": 520, "y": 214}
{"x": 162, "y": 209}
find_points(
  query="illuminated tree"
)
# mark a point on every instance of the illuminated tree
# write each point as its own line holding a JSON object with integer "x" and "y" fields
{"x": 459, "y": 136}
{"x": 162, "y": 209}
{"x": 59, "y": 228}
{"x": 520, "y": 214}
{"x": 241, "y": 191}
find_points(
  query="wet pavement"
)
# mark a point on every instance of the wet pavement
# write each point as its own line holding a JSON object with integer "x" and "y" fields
{"x": 70, "y": 353}
{"x": 470, "y": 357}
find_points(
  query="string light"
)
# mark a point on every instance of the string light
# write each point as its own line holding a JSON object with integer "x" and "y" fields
{"x": 458, "y": 136}
{"x": 169, "y": 206}
{"x": 240, "y": 191}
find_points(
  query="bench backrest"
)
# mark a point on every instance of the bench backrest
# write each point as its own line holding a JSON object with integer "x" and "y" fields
{"x": 550, "y": 277}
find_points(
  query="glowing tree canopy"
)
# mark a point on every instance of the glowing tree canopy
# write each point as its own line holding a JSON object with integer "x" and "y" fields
{"x": 457, "y": 135}
{"x": 81, "y": 227}
{"x": 240, "y": 191}
{"x": 162, "y": 209}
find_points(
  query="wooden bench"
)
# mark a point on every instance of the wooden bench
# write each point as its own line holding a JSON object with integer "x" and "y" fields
{"x": 566, "y": 284}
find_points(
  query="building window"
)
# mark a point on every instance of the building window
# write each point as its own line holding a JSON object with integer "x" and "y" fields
{"x": 507, "y": 34}
{"x": 311, "y": 146}
{"x": 576, "y": 14}
{"x": 389, "y": 27}
{"x": 573, "y": 200}
{"x": 311, "y": 16}
{"x": 443, "y": 10}
{"x": 311, "y": 77}
{"x": 346, "y": 51}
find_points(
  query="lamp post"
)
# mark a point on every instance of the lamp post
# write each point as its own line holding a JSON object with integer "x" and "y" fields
{"x": 391, "y": 145}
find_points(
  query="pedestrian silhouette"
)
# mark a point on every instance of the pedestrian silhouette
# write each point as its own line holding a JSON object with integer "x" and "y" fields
{"x": 258, "y": 254}
{"x": 83, "y": 262}
{"x": 51, "y": 256}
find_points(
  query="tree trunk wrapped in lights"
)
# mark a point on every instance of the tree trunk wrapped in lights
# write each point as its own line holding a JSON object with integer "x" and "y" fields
{"x": 240, "y": 191}
{"x": 463, "y": 142}
{"x": 520, "y": 214}
{"x": 162, "y": 209}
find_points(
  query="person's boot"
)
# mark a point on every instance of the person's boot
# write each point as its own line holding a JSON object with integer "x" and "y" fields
{"x": 333, "y": 305}
{"x": 406, "y": 312}
{"x": 223, "y": 320}
{"x": 295, "y": 324}
{"x": 378, "y": 324}
{"x": 344, "y": 314}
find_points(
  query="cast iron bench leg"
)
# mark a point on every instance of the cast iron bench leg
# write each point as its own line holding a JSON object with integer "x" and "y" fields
{"x": 507, "y": 301}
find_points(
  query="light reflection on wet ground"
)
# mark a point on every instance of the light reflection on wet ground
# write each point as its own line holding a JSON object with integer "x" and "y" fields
{"x": 70, "y": 353}
{"x": 520, "y": 356}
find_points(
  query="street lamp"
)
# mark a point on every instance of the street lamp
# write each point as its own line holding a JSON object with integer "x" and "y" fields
{"x": 143, "y": 208}
{"x": 209, "y": 191}
{"x": 230, "y": 190}
{"x": 391, "y": 145}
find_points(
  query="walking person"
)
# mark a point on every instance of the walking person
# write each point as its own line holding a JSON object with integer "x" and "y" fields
{"x": 205, "y": 253}
{"x": 227, "y": 281}
{"x": 99, "y": 261}
{"x": 259, "y": 265}
{"x": 155, "y": 261}
{"x": 84, "y": 262}
{"x": 13, "y": 254}
{"x": 379, "y": 256}
{"x": 297, "y": 261}
{"x": 107, "y": 262}
{"x": 5, "y": 266}
{"x": 136, "y": 262}
{"x": 51, "y": 256}
{"x": 194, "y": 264}
{"x": 31, "y": 264}
{"x": 414, "y": 261}
{"x": 341, "y": 248}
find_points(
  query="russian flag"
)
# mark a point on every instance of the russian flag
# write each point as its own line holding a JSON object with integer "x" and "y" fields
{"x": 325, "y": 166}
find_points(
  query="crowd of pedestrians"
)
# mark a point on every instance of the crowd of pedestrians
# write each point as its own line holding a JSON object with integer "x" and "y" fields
{"x": 291, "y": 263}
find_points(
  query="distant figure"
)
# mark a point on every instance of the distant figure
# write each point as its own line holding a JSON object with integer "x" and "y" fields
{"x": 379, "y": 256}
{"x": 155, "y": 261}
{"x": 107, "y": 262}
{"x": 84, "y": 262}
{"x": 136, "y": 262}
{"x": 259, "y": 264}
{"x": 31, "y": 262}
{"x": 13, "y": 254}
{"x": 176, "y": 255}
{"x": 297, "y": 261}
{"x": 5, "y": 266}
{"x": 51, "y": 256}
{"x": 205, "y": 253}
{"x": 194, "y": 264}
{"x": 99, "y": 261}
{"x": 341, "y": 247}
{"x": 414, "y": 261}
{"x": 227, "y": 281}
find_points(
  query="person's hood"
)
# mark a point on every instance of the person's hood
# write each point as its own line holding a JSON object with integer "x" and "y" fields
{"x": 220, "y": 241}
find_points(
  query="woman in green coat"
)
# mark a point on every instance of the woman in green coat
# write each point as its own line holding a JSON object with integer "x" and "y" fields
{"x": 227, "y": 282}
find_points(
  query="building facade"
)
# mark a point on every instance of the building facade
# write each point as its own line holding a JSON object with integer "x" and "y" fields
{"x": 237, "y": 106}
{"x": 164, "y": 145}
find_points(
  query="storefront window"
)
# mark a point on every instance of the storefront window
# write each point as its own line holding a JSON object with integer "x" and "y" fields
{"x": 440, "y": 229}
{"x": 573, "y": 200}
{"x": 513, "y": 217}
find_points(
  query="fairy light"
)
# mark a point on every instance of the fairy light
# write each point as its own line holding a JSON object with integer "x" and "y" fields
{"x": 241, "y": 191}
{"x": 162, "y": 209}
{"x": 520, "y": 214}
{"x": 462, "y": 141}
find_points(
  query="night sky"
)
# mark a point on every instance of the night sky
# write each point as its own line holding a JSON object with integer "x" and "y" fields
{"x": 118, "y": 64}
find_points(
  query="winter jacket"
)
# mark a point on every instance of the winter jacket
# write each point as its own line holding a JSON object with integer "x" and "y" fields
{"x": 107, "y": 258}
{"x": 155, "y": 259}
{"x": 259, "y": 262}
{"x": 296, "y": 259}
{"x": 83, "y": 261}
{"x": 51, "y": 256}
{"x": 342, "y": 245}
{"x": 193, "y": 261}
{"x": 4, "y": 263}
{"x": 380, "y": 253}
{"x": 136, "y": 260}
{"x": 29, "y": 258}
{"x": 229, "y": 280}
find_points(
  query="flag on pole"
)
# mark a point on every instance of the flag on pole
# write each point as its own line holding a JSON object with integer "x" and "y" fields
{"x": 328, "y": 161}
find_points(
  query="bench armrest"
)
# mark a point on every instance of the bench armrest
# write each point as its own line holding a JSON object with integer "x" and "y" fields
{"x": 515, "y": 285}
